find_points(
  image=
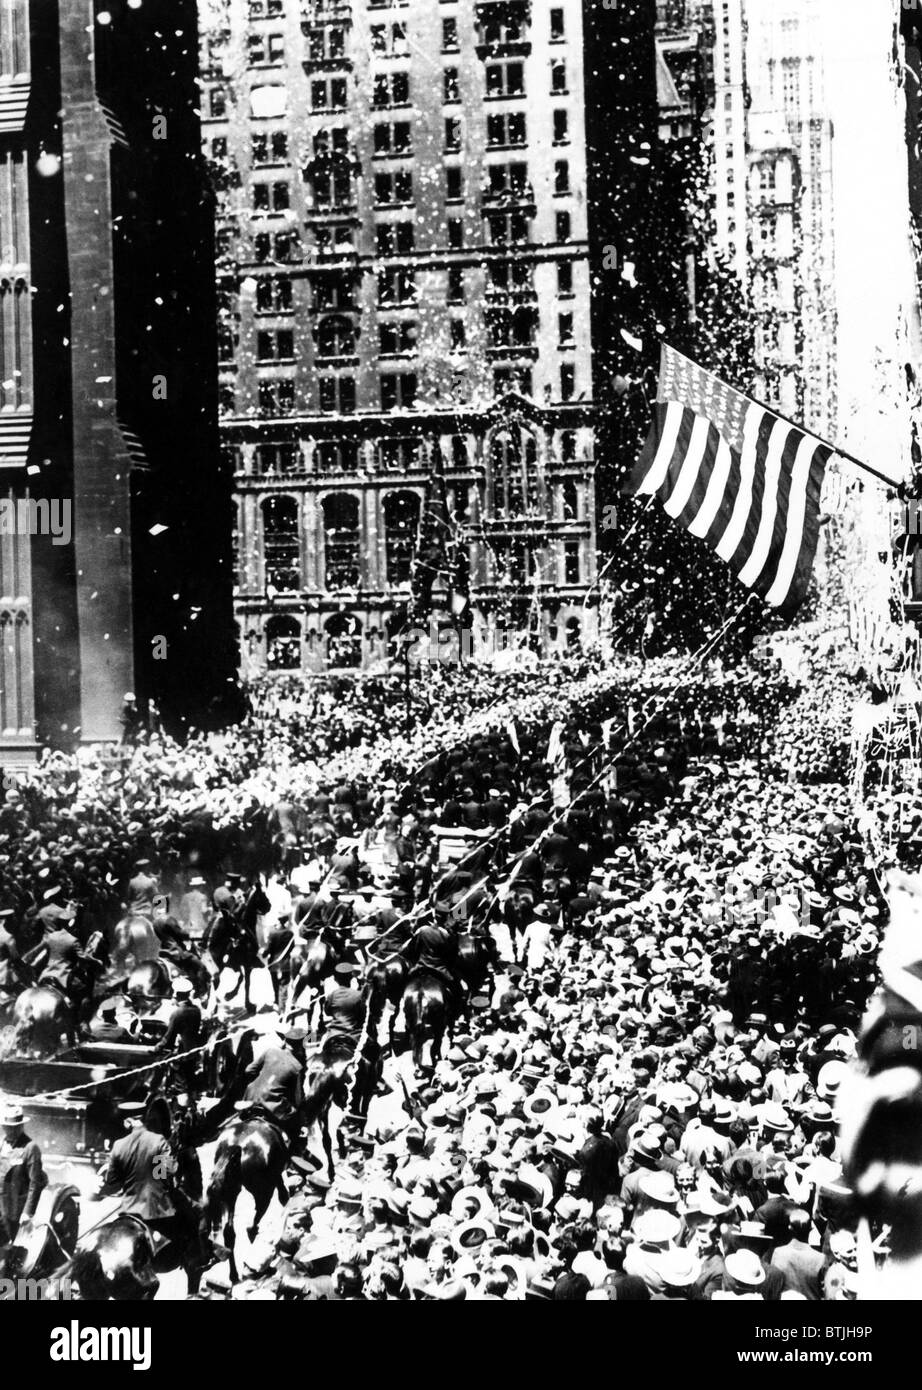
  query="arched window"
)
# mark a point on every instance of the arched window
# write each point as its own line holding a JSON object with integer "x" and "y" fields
{"x": 344, "y": 640}
{"x": 514, "y": 467}
{"x": 283, "y": 644}
{"x": 573, "y": 632}
{"x": 281, "y": 543}
{"x": 335, "y": 337}
{"x": 341, "y": 541}
{"x": 401, "y": 528}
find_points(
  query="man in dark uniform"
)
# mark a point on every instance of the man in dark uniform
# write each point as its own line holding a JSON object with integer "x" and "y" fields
{"x": 276, "y": 1083}
{"x": 184, "y": 1030}
{"x": 141, "y": 1170}
{"x": 433, "y": 950}
{"x": 22, "y": 1177}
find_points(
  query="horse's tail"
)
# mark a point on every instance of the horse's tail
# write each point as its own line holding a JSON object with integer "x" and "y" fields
{"x": 226, "y": 1183}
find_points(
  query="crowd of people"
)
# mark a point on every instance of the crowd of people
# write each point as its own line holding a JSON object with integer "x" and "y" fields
{"x": 639, "y": 1100}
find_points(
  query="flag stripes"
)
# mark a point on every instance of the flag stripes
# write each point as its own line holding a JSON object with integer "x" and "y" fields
{"x": 736, "y": 476}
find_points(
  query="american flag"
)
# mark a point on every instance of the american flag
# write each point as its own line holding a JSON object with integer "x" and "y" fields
{"x": 734, "y": 474}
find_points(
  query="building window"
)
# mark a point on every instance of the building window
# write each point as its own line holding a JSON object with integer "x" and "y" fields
{"x": 398, "y": 390}
{"x": 396, "y": 337}
{"x": 505, "y": 80}
{"x": 506, "y": 379}
{"x": 512, "y": 327}
{"x": 344, "y": 641}
{"x": 337, "y": 395}
{"x": 454, "y": 184}
{"x": 276, "y": 397}
{"x": 266, "y": 9}
{"x": 335, "y": 337}
{"x": 561, "y": 127}
{"x": 265, "y": 48}
{"x": 275, "y": 345}
{"x": 572, "y": 560}
{"x": 514, "y": 474}
{"x": 401, "y": 527}
{"x": 282, "y": 247}
{"x": 271, "y": 197}
{"x": 455, "y": 284}
{"x": 453, "y": 134}
{"x": 336, "y": 456}
{"x": 565, "y": 330}
{"x": 342, "y": 541}
{"x": 509, "y": 179}
{"x": 326, "y": 44}
{"x": 511, "y": 275}
{"x": 391, "y": 89}
{"x": 567, "y": 381}
{"x": 394, "y": 137}
{"x": 558, "y": 76}
{"x": 558, "y": 32}
{"x": 455, "y": 233}
{"x": 563, "y": 227}
{"x": 396, "y": 285}
{"x": 277, "y": 458}
{"x": 562, "y": 176}
{"x": 329, "y": 94}
{"x": 394, "y": 188}
{"x": 565, "y": 277}
{"x": 217, "y": 103}
{"x": 505, "y": 130}
{"x": 281, "y": 543}
{"x": 451, "y": 89}
{"x": 394, "y": 238}
{"x": 458, "y": 335}
{"x": 450, "y": 36}
{"x": 389, "y": 41}
{"x": 570, "y": 500}
{"x": 508, "y": 229}
{"x": 270, "y": 147}
{"x": 283, "y": 643}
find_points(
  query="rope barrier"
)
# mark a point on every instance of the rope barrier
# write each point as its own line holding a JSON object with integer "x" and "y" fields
{"x": 167, "y": 1060}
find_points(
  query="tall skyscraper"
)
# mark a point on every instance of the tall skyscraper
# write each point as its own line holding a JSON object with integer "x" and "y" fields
{"x": 784, "y": 59}
{"x": 404, "y": 296}
{"x": 114, "y": 552}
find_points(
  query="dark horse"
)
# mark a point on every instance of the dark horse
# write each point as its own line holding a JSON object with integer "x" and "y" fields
{"x": 386, "y": 981}
{"x": 253, "y": 1153}
{"x": 427, "y": 1012}
{"x": 233, "y": 942}
{"x": 120, "y": 1260}
{"x": 476, "y": 955}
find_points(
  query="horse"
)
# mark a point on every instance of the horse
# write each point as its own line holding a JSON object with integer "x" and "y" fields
{"x": 427, "y": 1014}
{"x": 387, "y": 980}
{"x": 134, "y": 941}
{"x": 234, "y": 943}
{"x": 42, "y": 1015}
{"x": 251, "y": 1154}
{"x": 319, "y": 961}
{"x": 476, "y": 956}
{"x": 121, "y": 1258}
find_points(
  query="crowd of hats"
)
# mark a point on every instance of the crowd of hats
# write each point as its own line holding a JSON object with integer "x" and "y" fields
{"x": 645, "y": 1108}
{"x": 644, "y": 1105}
